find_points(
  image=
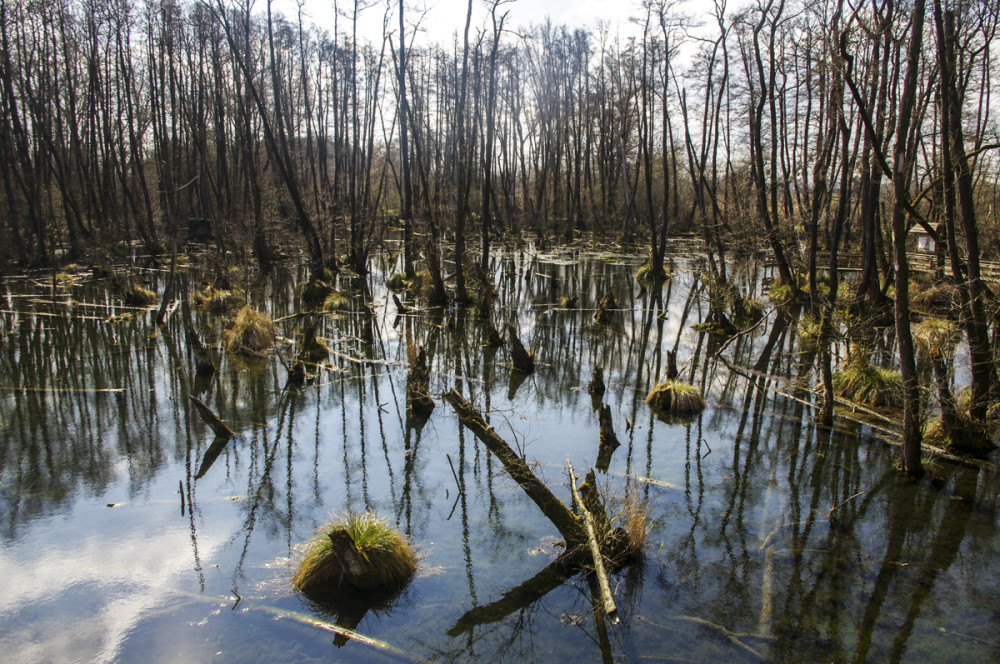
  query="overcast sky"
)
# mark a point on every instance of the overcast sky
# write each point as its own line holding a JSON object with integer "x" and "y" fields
{"x": 441, "y": 19}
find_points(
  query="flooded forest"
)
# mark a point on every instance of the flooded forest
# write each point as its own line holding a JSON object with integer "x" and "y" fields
{"x": 674, "y": 339}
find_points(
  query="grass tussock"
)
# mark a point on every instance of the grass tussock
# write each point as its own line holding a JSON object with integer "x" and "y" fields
{"x": 646, "y": 276}
{"x": 635, "y": 521}
{"x": 315, "y": 292}
{"x": 396, "y": 282}
{"x": 871, "y": 385}
{"x": 963, "y": 438}
{"x": 673, "y": 396}
{"x": 218, "y": 300}
{"x": 388, "y": 559}
{"x": 252, "y": 332}
{"x": 336, "y": 301}
{"x": 937, "y": 336}
{"x": 779, "y": 292}
{"x": 139, "y": 296}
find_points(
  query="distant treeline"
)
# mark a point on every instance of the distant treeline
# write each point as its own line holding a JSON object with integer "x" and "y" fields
{"x": 777, "y": 127}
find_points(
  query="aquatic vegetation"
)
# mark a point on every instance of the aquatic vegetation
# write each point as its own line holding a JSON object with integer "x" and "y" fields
{"x": 860, "y": 381}
{"x": 336, "y": 301}
{"x": 360, "y": 551}
{"x": 315, "y": 292}
{"x": 645, "y": 275}
{"x": 964, "y": 437}
{"x": 252, "y": 332}
{"x": 218, "y": 300}
{"x": 139, "y": 296}
{"x": 937, "y": 336}
{"x": 396, "y": 282}
{"x": 673, "y": 396}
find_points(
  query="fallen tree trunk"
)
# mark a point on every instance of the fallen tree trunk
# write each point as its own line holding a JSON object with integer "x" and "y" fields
{"x": 567, "y": 523}
{"x": 595, "y": 551}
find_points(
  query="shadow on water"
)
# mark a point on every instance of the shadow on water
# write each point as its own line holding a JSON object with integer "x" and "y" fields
{"x": 770, "y": 538}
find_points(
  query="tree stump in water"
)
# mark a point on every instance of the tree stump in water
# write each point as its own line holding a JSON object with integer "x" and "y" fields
{"x": 596, "y": 385}
{"x": 202, "y": 358}
{"x": 608, "y": 437}
{"x": 523, "y": 361}
{"x": 418, "y": 398}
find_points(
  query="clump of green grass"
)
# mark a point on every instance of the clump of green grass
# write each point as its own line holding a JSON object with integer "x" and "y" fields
{"x": 937, "y": 336}
{"x": 964, "y": 438}
{"x": 381, "y": 557}
{"x": 252, "y": 332}
{"x": 871, "y": 385}
{"x": 569, "y": 302}
{"x": 139, "y": 296}
{"x": 396, "y": 283}
{"x": 779, "y": 292}
{"x": 336, "y": 301}
{"x": 218, "y": 300}
{"x": 673, "y": 396}
{"x": 315, "y": 292}
{"x": 940, "y": 297}
{"x": 646, "y": 276}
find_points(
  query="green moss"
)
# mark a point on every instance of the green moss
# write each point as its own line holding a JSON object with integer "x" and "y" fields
{"x": 252, "y": 332}
{"x": 387, "y": 557}
{"x": 672, "y": 396}
{"x": 867, "y": 384}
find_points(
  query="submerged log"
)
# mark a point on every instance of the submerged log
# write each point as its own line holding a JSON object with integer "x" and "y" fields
{"x": 523, "y": 361}
{"x": 211, "y": 419}
{"x": 568, "y": 524}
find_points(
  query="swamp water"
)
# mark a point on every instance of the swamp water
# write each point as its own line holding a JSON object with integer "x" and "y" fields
{"x": 770, "y": 539}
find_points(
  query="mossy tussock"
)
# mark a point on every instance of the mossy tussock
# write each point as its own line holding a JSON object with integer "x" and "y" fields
{"x": 870, "y": 385}
{"x": 252, "y": 333}
{"x": 219, "y": 300}
{"x": 963, "y": 439}
{"x": 673, "y": 396}
{"x": 647, "y": 277}
{"x": 137, "y": 295}
{"x": 336, "y": 301}
{"x": 377, "y": 557}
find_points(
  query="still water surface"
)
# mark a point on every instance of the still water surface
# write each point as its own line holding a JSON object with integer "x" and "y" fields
{"x": 770, "y": 539}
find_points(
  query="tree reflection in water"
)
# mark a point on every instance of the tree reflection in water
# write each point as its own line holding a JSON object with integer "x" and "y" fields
{"x": 771, "y": 537}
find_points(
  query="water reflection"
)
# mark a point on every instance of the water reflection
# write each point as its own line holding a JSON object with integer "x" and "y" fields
{"x": 772, "y": 538}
